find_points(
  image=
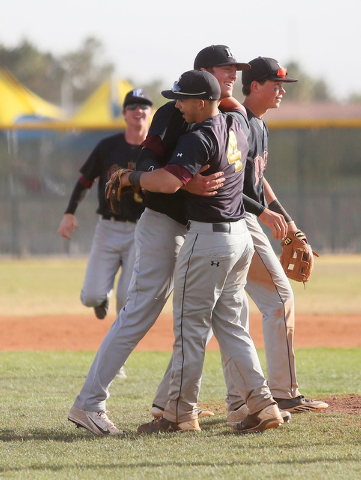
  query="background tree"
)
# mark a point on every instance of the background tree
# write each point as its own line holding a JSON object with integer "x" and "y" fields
{"x": 68, "y": 79}
{"x": 308, "y": 89}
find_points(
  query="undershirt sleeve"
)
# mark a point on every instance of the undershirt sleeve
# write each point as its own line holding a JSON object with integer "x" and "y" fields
{"x": 79, "y": 193}
{"x": 252, "y": 206}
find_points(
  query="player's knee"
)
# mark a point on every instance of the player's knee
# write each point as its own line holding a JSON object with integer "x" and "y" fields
{"x": 91, "y": 299}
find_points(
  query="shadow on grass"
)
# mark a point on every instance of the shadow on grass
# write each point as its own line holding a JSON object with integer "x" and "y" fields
{"x": 56, "y": 436}
{"x": 174, "y": 464}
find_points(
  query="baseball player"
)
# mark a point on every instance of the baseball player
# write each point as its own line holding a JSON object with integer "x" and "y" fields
{"x": 159, "y": 236}
{"x": 113, "y": 242}
{"x": 267, "y": 283}
{"x": 213, "y": 262}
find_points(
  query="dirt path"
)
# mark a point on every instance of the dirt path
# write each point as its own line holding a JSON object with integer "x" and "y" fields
{"x": 85, "y": 332}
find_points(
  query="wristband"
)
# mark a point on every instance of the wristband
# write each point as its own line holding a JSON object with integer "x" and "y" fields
{"x": 275, "y": 206}
{"x": 134, "y": 178}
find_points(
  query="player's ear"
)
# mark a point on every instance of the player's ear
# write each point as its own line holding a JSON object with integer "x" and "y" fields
{"x": 201, "y": 104}
{"x": 255, "y": 86}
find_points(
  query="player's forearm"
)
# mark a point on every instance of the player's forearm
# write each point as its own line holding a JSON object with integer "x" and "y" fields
{"x": 159, "y": 181}
{"x": 252, "y": 206}
{"x": 274, "y": 204}
{"x": 269, "y": 193}
{"x": 79, "y": 193}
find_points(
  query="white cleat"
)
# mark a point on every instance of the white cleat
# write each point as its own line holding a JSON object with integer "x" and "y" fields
{"x": 96, "y": 422}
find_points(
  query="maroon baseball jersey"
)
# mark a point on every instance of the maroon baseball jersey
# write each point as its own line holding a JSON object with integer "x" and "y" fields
{"x": 109, "y": 155}
{"x": 257, "y": 159}
{"x": 220, "y": 141}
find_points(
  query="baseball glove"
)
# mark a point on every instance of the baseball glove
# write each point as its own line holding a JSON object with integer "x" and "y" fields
{"x": 297, "y": 257}
{"x": 114, "y": 190}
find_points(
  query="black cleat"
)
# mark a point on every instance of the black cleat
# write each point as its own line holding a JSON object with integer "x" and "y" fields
{"x": 102, "y": 309}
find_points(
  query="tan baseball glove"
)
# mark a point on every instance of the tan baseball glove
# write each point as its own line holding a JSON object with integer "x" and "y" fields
{"x": 114, "y": 190}
{"x": 297, "y": 257}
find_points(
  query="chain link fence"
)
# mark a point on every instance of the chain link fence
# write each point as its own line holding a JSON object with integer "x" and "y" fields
{"x": 315, "y": 172}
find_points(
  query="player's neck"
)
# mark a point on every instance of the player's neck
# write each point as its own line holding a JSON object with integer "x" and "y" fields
{"x": 255, "y": 107}
{"x": 135, "y": 136}
{"x": 208, "y": 112}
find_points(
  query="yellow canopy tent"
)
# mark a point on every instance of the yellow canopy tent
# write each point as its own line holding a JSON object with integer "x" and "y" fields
{"x": 17, "y": 101}
{"x": 103, "y": 109}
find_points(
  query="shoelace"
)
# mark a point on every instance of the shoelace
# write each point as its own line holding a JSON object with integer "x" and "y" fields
{"x": 157, "y": 420}
{"x": 103, "y": 415}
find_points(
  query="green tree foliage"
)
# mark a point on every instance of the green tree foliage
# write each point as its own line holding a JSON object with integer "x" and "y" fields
{"x": 308, "y": 89}
{"x": 355, "y": 98}
{"x": 67, "y": 79}
{"x": 153, "y": 89}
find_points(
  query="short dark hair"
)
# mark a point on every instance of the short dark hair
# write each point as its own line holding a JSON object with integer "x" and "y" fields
{"x": 246, "y": 89}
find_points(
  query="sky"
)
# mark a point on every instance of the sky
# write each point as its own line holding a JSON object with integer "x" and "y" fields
{"x": 158, "y": 39}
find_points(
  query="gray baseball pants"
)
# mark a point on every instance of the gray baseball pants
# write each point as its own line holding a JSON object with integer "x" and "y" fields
{"x": 112, "y": 248}
{"x": 210, "y": 277}
{"x": 271, "y": 291}
{"x": 158, "y": 240}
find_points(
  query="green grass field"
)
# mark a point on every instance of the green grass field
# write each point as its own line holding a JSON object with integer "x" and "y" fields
{"x": 52, "y": 286}
{"x": 38, "y": 442}
{"x": 38, "y": 388}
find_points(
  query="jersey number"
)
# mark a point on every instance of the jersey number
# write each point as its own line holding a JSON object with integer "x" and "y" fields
{"x": 233, "y": 154}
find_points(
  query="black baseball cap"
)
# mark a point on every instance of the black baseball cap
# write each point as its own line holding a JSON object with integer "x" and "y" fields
{"x": 195, "y": 84}
{"x": 137, "y": 96}
{"x": 217, "y": 56}
{"x": 263, "y": 68}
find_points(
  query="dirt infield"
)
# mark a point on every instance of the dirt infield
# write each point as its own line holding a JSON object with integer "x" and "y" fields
{"x": 85, "y": 332}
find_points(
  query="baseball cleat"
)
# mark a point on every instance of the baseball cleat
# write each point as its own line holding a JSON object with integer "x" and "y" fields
{"x": 236, "y": 416}
{"x": 157, "y": 412}
{"x": 269, "y": 417}
{"x": 300, "y": 404}
{"x": 96, "y": 422}
{"x": 241, "y": 413}
{"x": 162, "y": 425}
{"x": 205, "y": 414}
{"x": 102, "y": 309}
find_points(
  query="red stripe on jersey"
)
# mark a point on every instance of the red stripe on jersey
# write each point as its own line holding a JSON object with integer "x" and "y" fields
{"x": 84, "y": 182}
{"x": 154, "y": 143}
{"x": 180, "y": 172}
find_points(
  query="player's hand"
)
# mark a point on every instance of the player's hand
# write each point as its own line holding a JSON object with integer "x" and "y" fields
{"x": 292, "y": 228}
{"x": 125, "y": 180}
{"x": 67, "y": 226}
{"x": 275, "y": 222}
{"x": 205, "y": 186}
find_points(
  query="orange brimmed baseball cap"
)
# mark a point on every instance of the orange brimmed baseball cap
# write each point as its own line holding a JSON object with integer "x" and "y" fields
{"x": 263, "y": 68}
{"x": 217, "y": 56}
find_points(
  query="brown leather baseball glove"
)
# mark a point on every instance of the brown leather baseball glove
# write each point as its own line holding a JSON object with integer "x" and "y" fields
{"x": 297, "y": 257}
{"x": 114, "y": 190}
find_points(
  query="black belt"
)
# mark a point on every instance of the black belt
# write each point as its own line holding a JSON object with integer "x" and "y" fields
{"x": 116, "y": 219}
{"x": 217, "y": 227}
{"x": 222, "y": 227}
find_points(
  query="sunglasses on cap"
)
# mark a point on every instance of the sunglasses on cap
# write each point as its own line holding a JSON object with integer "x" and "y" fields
{"x": 280, "y": 73}
{"x": 133, "y": 106}
{"x": 177, "y": 89}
